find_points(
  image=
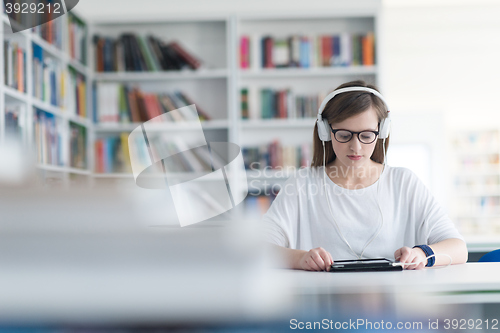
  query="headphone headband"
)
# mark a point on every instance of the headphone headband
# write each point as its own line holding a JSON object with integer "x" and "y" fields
{"x": 323, "y": 128}
{"x": 347, "y": 89}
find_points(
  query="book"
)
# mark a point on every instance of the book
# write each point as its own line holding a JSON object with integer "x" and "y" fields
{"x": 78, "y": 144}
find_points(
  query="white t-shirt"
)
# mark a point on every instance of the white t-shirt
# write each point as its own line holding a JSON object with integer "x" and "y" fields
{"x": 299, "y": 217}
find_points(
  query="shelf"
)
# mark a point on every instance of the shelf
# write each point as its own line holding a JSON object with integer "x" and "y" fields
{"x": 181, "y": 175}
{"x": 56, "y": 168}
{"x": 278, "y": 123}
{"x": 44, "y": 106}
{"x": 77, "y": 65}
{"x": 15, "y": 94}
{"x": 178, "y": 126}
{"x": 305, "y": 72}
{"x": 79, "y": 120}
{"x": 162, "y": 76}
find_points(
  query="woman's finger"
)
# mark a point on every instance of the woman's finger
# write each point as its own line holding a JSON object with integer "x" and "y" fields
{"x": 312, "y": 264}
{"x": 318, "y": 260}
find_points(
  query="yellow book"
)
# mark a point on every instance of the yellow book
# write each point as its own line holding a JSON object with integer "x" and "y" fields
{"x": 125, "y": 151}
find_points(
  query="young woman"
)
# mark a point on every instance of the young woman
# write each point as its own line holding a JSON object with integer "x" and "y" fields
{"x": 349, "y": 204}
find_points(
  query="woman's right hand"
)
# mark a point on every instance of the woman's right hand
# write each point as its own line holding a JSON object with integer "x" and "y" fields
{"x": 317, "y": 259}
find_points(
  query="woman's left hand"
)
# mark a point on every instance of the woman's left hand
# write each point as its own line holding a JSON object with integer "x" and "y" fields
{"x": 409, "y": 255}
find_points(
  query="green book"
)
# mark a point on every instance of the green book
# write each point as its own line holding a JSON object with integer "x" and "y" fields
{"x": 148, "y": 56}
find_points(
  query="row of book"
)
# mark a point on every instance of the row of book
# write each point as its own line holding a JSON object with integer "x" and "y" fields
{"x": 281, "y": 103}
{"x": 274, "y": 155}
{"x": 117, "y": 103}
{"x": 112, "y": 154}
{"x": 77, "y": 34}
{"x": 51, "y": 31}
{"x": 343, "y": 49}
{"x": 48, "y": 78}
{"x": 57, "y": 85}
{"x": 131, "y": 52}
{"x": 77, "y": 93}
{"x": 478, "y": 141}
{"x": 48, "y": 138}
{"x": 77, "y": 146}
{"x": 14, "y": 66}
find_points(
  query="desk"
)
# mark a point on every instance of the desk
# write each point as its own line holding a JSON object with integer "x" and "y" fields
{"x": 470, "y": 277}
{"x": 468, "y": 291}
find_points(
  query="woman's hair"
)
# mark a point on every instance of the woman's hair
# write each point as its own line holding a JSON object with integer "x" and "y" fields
{"x": 343, "y": 106}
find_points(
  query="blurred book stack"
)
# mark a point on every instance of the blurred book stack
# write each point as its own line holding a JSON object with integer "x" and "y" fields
{"x": 48, "y": 139}
{"x": 50, "y": 79}
{"x": 117, "y": 103}
{"x": 343, "y": 49}
{"x": 77, "y": 34}
{"x": 14, "y": 66}
{"x": 78, "y": 145}
{"x": 274, "y": 155}
{"x": 134, "y": 53}
{"x": 281, "y": 103}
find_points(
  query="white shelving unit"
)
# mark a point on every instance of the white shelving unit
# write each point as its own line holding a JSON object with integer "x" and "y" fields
{"x": 209, "y": 86}
{"x": 216, "y": 86}
{"x": 476, "y": 181}
{"x": 317, "y": 81}
{"x": 50, "y": 174}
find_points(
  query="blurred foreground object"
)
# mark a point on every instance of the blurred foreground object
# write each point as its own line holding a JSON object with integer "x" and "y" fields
{"x": 84, "y": 258}
{"x": 16, "y": 167}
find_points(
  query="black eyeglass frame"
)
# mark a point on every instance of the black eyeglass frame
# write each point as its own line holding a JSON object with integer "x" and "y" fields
{"x": 352, "y": 135}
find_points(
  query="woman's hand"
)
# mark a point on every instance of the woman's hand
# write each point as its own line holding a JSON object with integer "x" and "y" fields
{"x": 317, "y": 259}
{"x": 408, "y": 255}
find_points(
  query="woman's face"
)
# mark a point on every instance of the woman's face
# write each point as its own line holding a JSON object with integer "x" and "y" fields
{"x": 355, "y": 154}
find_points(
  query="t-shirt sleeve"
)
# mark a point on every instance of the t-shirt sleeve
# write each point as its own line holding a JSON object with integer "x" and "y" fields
{"x": 282, "y": 216}
{"x": 432, "y": 223}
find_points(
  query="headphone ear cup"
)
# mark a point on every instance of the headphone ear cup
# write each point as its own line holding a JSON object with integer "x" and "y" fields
{"x": 385, "y": 128}
{"x": 323, "y": 131}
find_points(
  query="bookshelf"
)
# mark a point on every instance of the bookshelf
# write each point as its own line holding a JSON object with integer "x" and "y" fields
{"x": 43, "y": 103}
{"x": 298, "y": 73}
{"x": 476, "y": 181}
{"x": 209, "y": 86}
{"x": 215, "y": 86}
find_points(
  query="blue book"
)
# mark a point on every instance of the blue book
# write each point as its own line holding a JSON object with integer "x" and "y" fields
{"x": 305, "y": 46}
{"x": 336, "y": 51}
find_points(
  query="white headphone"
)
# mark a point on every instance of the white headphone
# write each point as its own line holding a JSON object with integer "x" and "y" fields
{"x": 324, "y": 127}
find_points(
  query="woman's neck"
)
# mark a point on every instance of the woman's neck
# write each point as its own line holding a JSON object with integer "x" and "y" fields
{"x": 349, "y": 177}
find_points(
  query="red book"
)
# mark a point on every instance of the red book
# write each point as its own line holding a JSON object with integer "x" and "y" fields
{"x": 282, "y": 104}
{"x": 269, "y": 44}
{"x": 187, "y": 57}
{"x": 326, "y": 54}
{"x": 20, "y": 69}
{"x": 244, "y": 52}
{"x": 148, "y": 105}
{"x": 156, "y": 106}
{"x": 99, "y": 156}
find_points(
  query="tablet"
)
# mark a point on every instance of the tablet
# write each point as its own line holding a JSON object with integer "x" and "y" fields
{"x": 365, "y": 265}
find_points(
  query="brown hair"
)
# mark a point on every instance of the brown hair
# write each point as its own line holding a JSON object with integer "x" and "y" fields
{"x": 343, "y": 106}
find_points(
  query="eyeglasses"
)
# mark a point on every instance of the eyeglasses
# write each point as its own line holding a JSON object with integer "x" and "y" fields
{"x": 344, "y": 136}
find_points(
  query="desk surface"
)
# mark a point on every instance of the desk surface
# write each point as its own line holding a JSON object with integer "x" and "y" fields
{"x": 468, "y": 277}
